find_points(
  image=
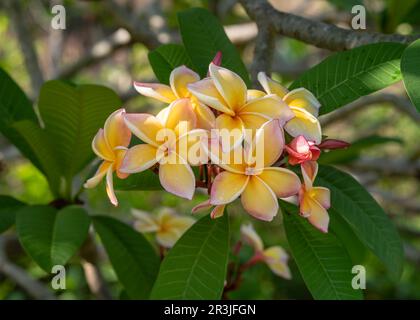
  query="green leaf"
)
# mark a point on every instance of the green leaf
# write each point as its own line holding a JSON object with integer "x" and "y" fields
{"x": 146, "y": 180}
{"x": 410, "y": 62}
{"x": 133, "y": 258}
{"x": 195, "y": 268}
{"x": 346, "y": 76}
{"x": 14, "y": 107}
{"x": 43, "y": 150}
{"x": 49, "y": 236}
{"x": 366, "y": 218}
{"x": 72, "y": 116}
{"x": 8, "y": 208}
{"x": 348, "y": 238}
{"x": 203, "y": 36}
{"x": 353, "y": 152}
{"x": 166, "y": 58}
{"x": 322, "y": 260}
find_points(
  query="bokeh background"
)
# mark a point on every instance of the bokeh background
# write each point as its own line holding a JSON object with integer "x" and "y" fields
{"x": 106, "y": 42}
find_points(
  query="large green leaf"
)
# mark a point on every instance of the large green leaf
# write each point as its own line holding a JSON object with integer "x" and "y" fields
{"x": 146, "y": 180}
{"x": 43, "y": 149}
{"x": 49, "y": 236}
{"x": 8, "y": 208}
{"x": 72, "y": 115}
{"x": 322, "y": 260}
{"x": 410, "y": 63}
{"x": 166, "y": 58}
{"x": 195, "y": 268}
{"x": 345, "y": 76}
{"x": 353, "y": 152}
{"x": 133, "y": 258}
{"x": 366, "y": 218}
{"x": 203, "y": 36}
{"x": 14, "y": 107}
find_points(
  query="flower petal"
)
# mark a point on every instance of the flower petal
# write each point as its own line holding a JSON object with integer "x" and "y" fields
{"x": 100, "y": 173}
{"x": 205, "y": 91}
{"x": 322, "y": 196}
{"x": 201, "y": 206}
{"x": 259, "y": 200}
{"x": 304, "y": 99}
{"x": 218, "y": 211}
{"x": 267, "y": 145}
{"x": 304, "y": 123}
{"x": 230, "y": 85}
{"x": 252, "y": 94}
{"x": 115, "y": 130}
{"x": 253, "y": 121}
{"x": 270, "y": 106}
{"x": 179, "y": 79}
{"x": 180, "y": 224}
{"x": 167, "y": 238}
{"x": 110, "y": 186}
{"x": 251, "y": 237}
{"x": 180, "y": 116}
{"x": 270, "y": 86}
{"x": 144, "y": 126}
{"x": 232, "y": 161}
{"x": 309, "y": 171}
{"x": 177, "y": 177}
{"x": 144, "y": 221}
{"x": 316, "y": 214}
{"x": 231, "y": 131}
{"x": 276, "y": 259}
{"x": 283, "y": 182}
{"x": 227, "y": 187}
{"x": 191, "y": 146}
{"x": 205, "y": 117}
{"x": 157, "y": 91}
{"x": 139, "y": 158}
{"x": 101, "y": 148}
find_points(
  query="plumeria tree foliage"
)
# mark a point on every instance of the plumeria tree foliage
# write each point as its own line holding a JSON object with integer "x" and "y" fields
{"x": 204, "y": 86}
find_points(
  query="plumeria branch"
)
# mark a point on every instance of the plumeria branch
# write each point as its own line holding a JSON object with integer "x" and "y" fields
{"x": 26, "y": 43}
{"x": 316, "y": 33}
{"x": 33, "y": 287}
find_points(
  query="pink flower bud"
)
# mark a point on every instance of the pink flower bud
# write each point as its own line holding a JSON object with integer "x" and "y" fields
{"x": 301, "y": 150}
{"x": 331, "y": 144}
{"x": 217, "y": 60}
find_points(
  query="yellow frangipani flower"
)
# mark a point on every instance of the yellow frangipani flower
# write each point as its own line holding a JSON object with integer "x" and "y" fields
{"x": 252, "y": 178}
{"x": 179, "y": 79}
{"x": 303, "y": 104}
{"x": 226, "y": 92}
{"x": 167, "y": 225}
{"x": 275, "y": 257}
{"x": 314, "y": 201}
{"x": 110, "y": 144}
{"x": 175, "y": 173}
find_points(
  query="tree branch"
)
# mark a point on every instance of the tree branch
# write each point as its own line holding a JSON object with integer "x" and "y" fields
{"x": 26, "y": 43}
{"x": 316, "y": 33}
{"x": 264, "y": 50}
{"x": 33, "y": 287}
{"x": 100, "y": 51}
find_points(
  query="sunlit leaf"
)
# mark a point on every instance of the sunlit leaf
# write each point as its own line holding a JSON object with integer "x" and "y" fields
{"x": 346, "y": 76}
{"x": 410, "y": 62}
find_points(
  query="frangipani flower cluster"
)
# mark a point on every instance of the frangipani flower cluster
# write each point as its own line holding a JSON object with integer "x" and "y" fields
{"x": 275, "y": 257}
{"x": 167, "y": 225}
{"x": 235, "y": 135}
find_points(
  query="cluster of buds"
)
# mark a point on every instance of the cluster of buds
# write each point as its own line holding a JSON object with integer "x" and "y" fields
{"x": 234, "y": 135}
